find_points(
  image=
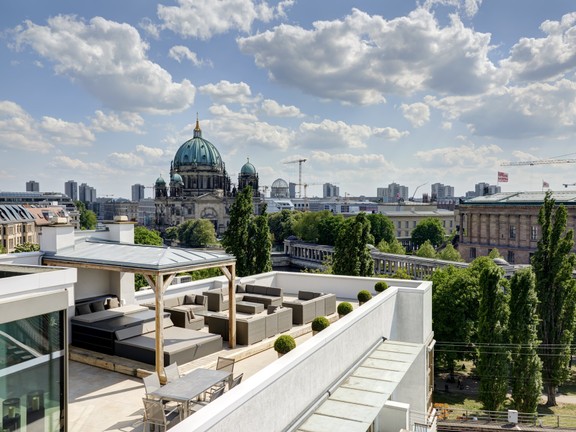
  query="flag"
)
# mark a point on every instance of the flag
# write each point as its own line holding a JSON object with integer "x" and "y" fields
{"x": 545, "y": 184}
{"x": 502, "y": 177}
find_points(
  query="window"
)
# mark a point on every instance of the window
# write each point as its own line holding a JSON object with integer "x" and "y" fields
{"x": 472, "y": 253}
{"x": 444, "y": 223}
{"x": 512, "y": 232}
{"x": 451, "y": 224}
{"x": 413, "y": 224}
{"x": 399, "y": 224}
{"x": 533, "y": 233}
{"x": 407, "y": 224}
{"x": 511, "y": 257}
{"x": 398, "y": 233}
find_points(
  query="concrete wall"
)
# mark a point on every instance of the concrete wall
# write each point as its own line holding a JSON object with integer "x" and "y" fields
{"x": 27, "y": 258}
{"x": 280, "y": 393}
{"x": 394, "y": 417}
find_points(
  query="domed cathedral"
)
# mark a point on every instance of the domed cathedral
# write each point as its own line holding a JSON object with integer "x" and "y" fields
{"x": 199, "y": 186}
{"x": 249, "y": 177}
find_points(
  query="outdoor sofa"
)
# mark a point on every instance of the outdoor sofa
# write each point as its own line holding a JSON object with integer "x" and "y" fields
{"x": 310, "y": 305}
{"x": 184, "y": 310}
{"x": 253, "y": 328}
{"x": 219, "y": 301}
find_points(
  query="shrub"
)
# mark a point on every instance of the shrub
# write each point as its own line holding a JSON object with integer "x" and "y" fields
{"x": 345, "y": 308}
{"x": 284, "y": 344}
{"x": 320, "y": 323}
{"x": 364, "y": 296}
{"x": 380, "y": 286}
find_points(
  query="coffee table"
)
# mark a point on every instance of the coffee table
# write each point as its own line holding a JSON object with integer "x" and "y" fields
{"x": 249, "y": 307}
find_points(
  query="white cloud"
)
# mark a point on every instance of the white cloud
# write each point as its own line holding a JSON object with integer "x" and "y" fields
{"x": 109, "y": 60}
{"x": 467, "y": 156}
{"x": 180, "y": 52}
{"x": 418, "y": 114}
{"x": 470, "y": 7}
{"x": 362, "y": 58}
{"x": 338, "y": 134}
{"x": 150, "y": 152}
{"x": 117, "y": 122}
{"x": 19, "y": 131}
{"x": 227, "y": 92}
{"x": 553, "y": 56}
{"x": 125, "y": 160}
{"x": 274, "y": 109}
{"x": 347, "y": 159}
{"x": 67, "y": 133}
{"x": 203, "y": 19}
{"x": 68, "y": 163}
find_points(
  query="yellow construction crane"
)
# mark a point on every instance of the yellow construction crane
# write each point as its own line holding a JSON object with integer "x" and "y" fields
{"x": 299, "y": 162}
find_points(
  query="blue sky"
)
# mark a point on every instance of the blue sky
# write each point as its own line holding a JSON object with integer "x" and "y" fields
{"x": 369, "y": 92}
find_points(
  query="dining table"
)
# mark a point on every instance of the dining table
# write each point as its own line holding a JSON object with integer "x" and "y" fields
{"x": 189, "y": 386}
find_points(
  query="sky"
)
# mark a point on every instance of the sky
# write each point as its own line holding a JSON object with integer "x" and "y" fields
{"x": 368, "y": 92}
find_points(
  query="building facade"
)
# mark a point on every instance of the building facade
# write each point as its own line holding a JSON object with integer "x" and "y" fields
{"x": 506, "y": 221}
{"x": 32, "y": 186}
{"x": 17, "y": 227}
{"x": 86, "y": 194}
{"x": 329, "y": 190}
{"x": 71, "y": 189}
{"x": 138, "y": 192}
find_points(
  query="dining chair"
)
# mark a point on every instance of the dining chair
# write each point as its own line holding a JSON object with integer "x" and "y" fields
{"x": 225, "y": 364}
{"x": 151, "y": 383}
{"x": 235, "y": 381}
{"x": 171, "y": 372}
{"x": 213, "y": 394}
{"x": 156, "y": 415}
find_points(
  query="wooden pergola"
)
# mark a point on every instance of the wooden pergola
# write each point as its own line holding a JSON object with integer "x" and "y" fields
{"x": 158, "y": 265}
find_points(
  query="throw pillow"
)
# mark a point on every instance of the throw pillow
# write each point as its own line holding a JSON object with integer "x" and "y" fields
{"x": 113, "y": 303}
{"x": 83, "y": 309}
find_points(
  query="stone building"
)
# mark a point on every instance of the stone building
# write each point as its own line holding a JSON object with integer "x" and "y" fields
{"x": 507, "y": 221}
{"x": 17, "y": 226}
{"x": 199, "y": 186}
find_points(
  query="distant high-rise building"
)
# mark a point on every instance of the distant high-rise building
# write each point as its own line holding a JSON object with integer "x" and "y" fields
{"x": 331, "y": 190}
{"x": 86, "y": 194}
{"x": 440, "y": 191}
{"x": 138, "y": 192}
{"x": 32, "y": 186}
{"x": 394, "y": 192}
{"x": 482, "y": 188}
{"x": 71, "y": 189}
{"x": 292, "y": 190}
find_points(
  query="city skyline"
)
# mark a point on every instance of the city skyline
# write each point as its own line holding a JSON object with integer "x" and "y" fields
{"x": 369, "y": 93}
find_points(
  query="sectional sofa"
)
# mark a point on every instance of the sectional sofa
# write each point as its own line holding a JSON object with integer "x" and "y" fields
{"x": 253, "y": 328}
{"x": 310, "y": 305}
{"x": 184, "y": 310}
{"x": 219, "y": 301}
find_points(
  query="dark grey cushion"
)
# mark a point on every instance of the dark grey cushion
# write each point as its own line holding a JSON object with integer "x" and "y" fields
{"x": 83, "y": 309}
{"x": 199, "y": 300}
{"x": 97, "y": 306}
{"x": 240, "y": 288}
{"x": 189, "y": 299}
{"x": 276, "y": 292}
{"x": 306, "y": 295}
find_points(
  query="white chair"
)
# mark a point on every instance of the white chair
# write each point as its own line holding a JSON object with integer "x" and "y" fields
{"x": 225, "y": 364}
{"x": 171, "y": 372}
{"x": 151, "y": 383}
{"x": 156, "y": 415}
{"x": 214, "y": 394}
{"x": 235, "y": 381}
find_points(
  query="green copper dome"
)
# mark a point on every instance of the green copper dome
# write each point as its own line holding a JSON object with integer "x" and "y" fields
{"x": 248, "y": 168}
{"x": 160, "y": 181}
{"x": 199, "y": 152}
{"x": 177, "y": 178}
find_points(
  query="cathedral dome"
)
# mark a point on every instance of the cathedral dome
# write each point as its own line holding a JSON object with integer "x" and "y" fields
{"x": 177, "y": 178}
{"x": 280, "y": 183}
{"x": 160, "y": 181}
{"x": 248, "y": 168}
{"x": 198, "y": 152}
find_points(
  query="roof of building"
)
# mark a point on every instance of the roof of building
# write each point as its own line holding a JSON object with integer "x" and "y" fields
{"x": 137, "y": 257}
{"x": 10, "y": 213}
{"x": 524, "y": 198}
{"x": 198, "y": 152}
{"x": 280, "y": 183}
{"x": 248, "y": 168}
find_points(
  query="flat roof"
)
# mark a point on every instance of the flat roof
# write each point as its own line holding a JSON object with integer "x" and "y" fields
{"x": 524, "y": 198}
{"x": 137, "y": 257}
{"x": 356, "y": 402}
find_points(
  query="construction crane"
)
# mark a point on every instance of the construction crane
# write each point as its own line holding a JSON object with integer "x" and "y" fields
{"x": 300, "y": 162}
{"x": 568, "y": 184}
{"x": 539, "y": 162}
{"x": 416, "y": 190}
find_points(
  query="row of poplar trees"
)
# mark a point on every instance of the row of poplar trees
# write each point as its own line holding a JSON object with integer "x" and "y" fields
{"x": 526, "y": 326}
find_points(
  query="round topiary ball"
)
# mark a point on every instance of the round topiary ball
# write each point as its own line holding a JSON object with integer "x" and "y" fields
{"x": 364, "y": 296}
{"x": 320, "y": 323}
{"x": 380, "y": 286}
{"x": 284, "y": 344}
{"x": 344, "y": 308}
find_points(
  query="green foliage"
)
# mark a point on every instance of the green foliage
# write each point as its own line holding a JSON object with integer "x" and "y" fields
{"x": 320, "y": 323}
{"x": 328, "y": 229}
{"x": 363, "y": 296}
{"x": 351, "y": 254}
{"x": 380, "y": 286}
{"x": 205, "y": 273}
{"x": 140, "y": 281}
{"x": 171, "y": 233}
{"x": 449, "y": 253}
{"x": 400, "y": 274}
{"x": 3, "y": 250}
{"x": 381, "y": 228}
{"x": 306, "y": 226}
{"x": 281, "y": 225}
{"x": 494, "y": 253}
{"x": 526, "y": 367}
{"x": 284, "y": 344}
{"x": 455, "y": 301}
{"x": 428, "y": 229}
{"x": 236, "y": 238}
{"x": 27, "y": 247}
{"x": 344, "y": 308}
{"x": 493, "y": 355}
{"x": 553, "y": 263}
{"x": 88, "y": 218}
{"x": 392, "y": 247}
{"x": 197, "y": 233}
{"x": 426, "y": 250}
{"x": 261, "y": 244}
{"x": 145, "y": 236}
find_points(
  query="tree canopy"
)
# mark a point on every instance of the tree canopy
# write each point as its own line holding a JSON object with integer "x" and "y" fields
{"x": 393, "y": 247}
{"x": 428, "y": 229}
{"x": 88, "y": 218}
{"x": 351, "y": 254}
{"x": 145, "y": 236}
{"x": 281, "y": 225}
{"x": 426, "y": 250}
{"x": 381, "y": 228}
{"x": 27, "y": 247}
{"x": 196, "y": 233}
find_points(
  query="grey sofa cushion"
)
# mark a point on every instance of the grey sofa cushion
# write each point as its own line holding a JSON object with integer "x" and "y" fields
{"x": 189, "y": 299}
{"x": 97, "y": 306}
{"x": 172, "y": 302}
{"x": 306, "y": 295}
{"x": 83, "y": 309}
{"x": 256, "y": 289}
{"x": 276, "y": 292}
{"x": 200, "y": 300}
{"x": 240, "y": 288}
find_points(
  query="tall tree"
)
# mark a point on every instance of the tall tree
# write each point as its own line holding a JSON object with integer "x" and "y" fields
{"x": 393, "y": 247}
{"x": 351, "y": 254}
{"x": 261, "y": 244}
{"x": 145, "y": 236}
{"x": 493, "y": 354}
{"x": 381, "y": 228}
{"x": 88, "y": 218}
{"x": 553, "y": 264}
{"x": 450, "y": 253}
{"x": 282, "y": 225}
{"x": 428, "y": 229}
{"x": 526, "y": 367}
{"x": 328, "y": 229}
{"x": 197, "y": 233}
{"x": 426, "y": 250}
{"x": 306, "y": 226}
{"x": 236, "y": 238}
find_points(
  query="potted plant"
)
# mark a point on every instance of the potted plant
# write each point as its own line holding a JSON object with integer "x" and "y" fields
{"x": 284, "y": 344}
{"x": 363, "y": 296}
{"x": 344, "y": 308}
{"x": 319, "y": 323}
{"x": 380, "y": 286}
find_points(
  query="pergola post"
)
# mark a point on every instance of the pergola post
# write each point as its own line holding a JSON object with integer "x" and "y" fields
{"x": 230, "y": 273}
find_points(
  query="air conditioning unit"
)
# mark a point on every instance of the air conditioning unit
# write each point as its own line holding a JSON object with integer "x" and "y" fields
{"x": 120, "y": 218}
